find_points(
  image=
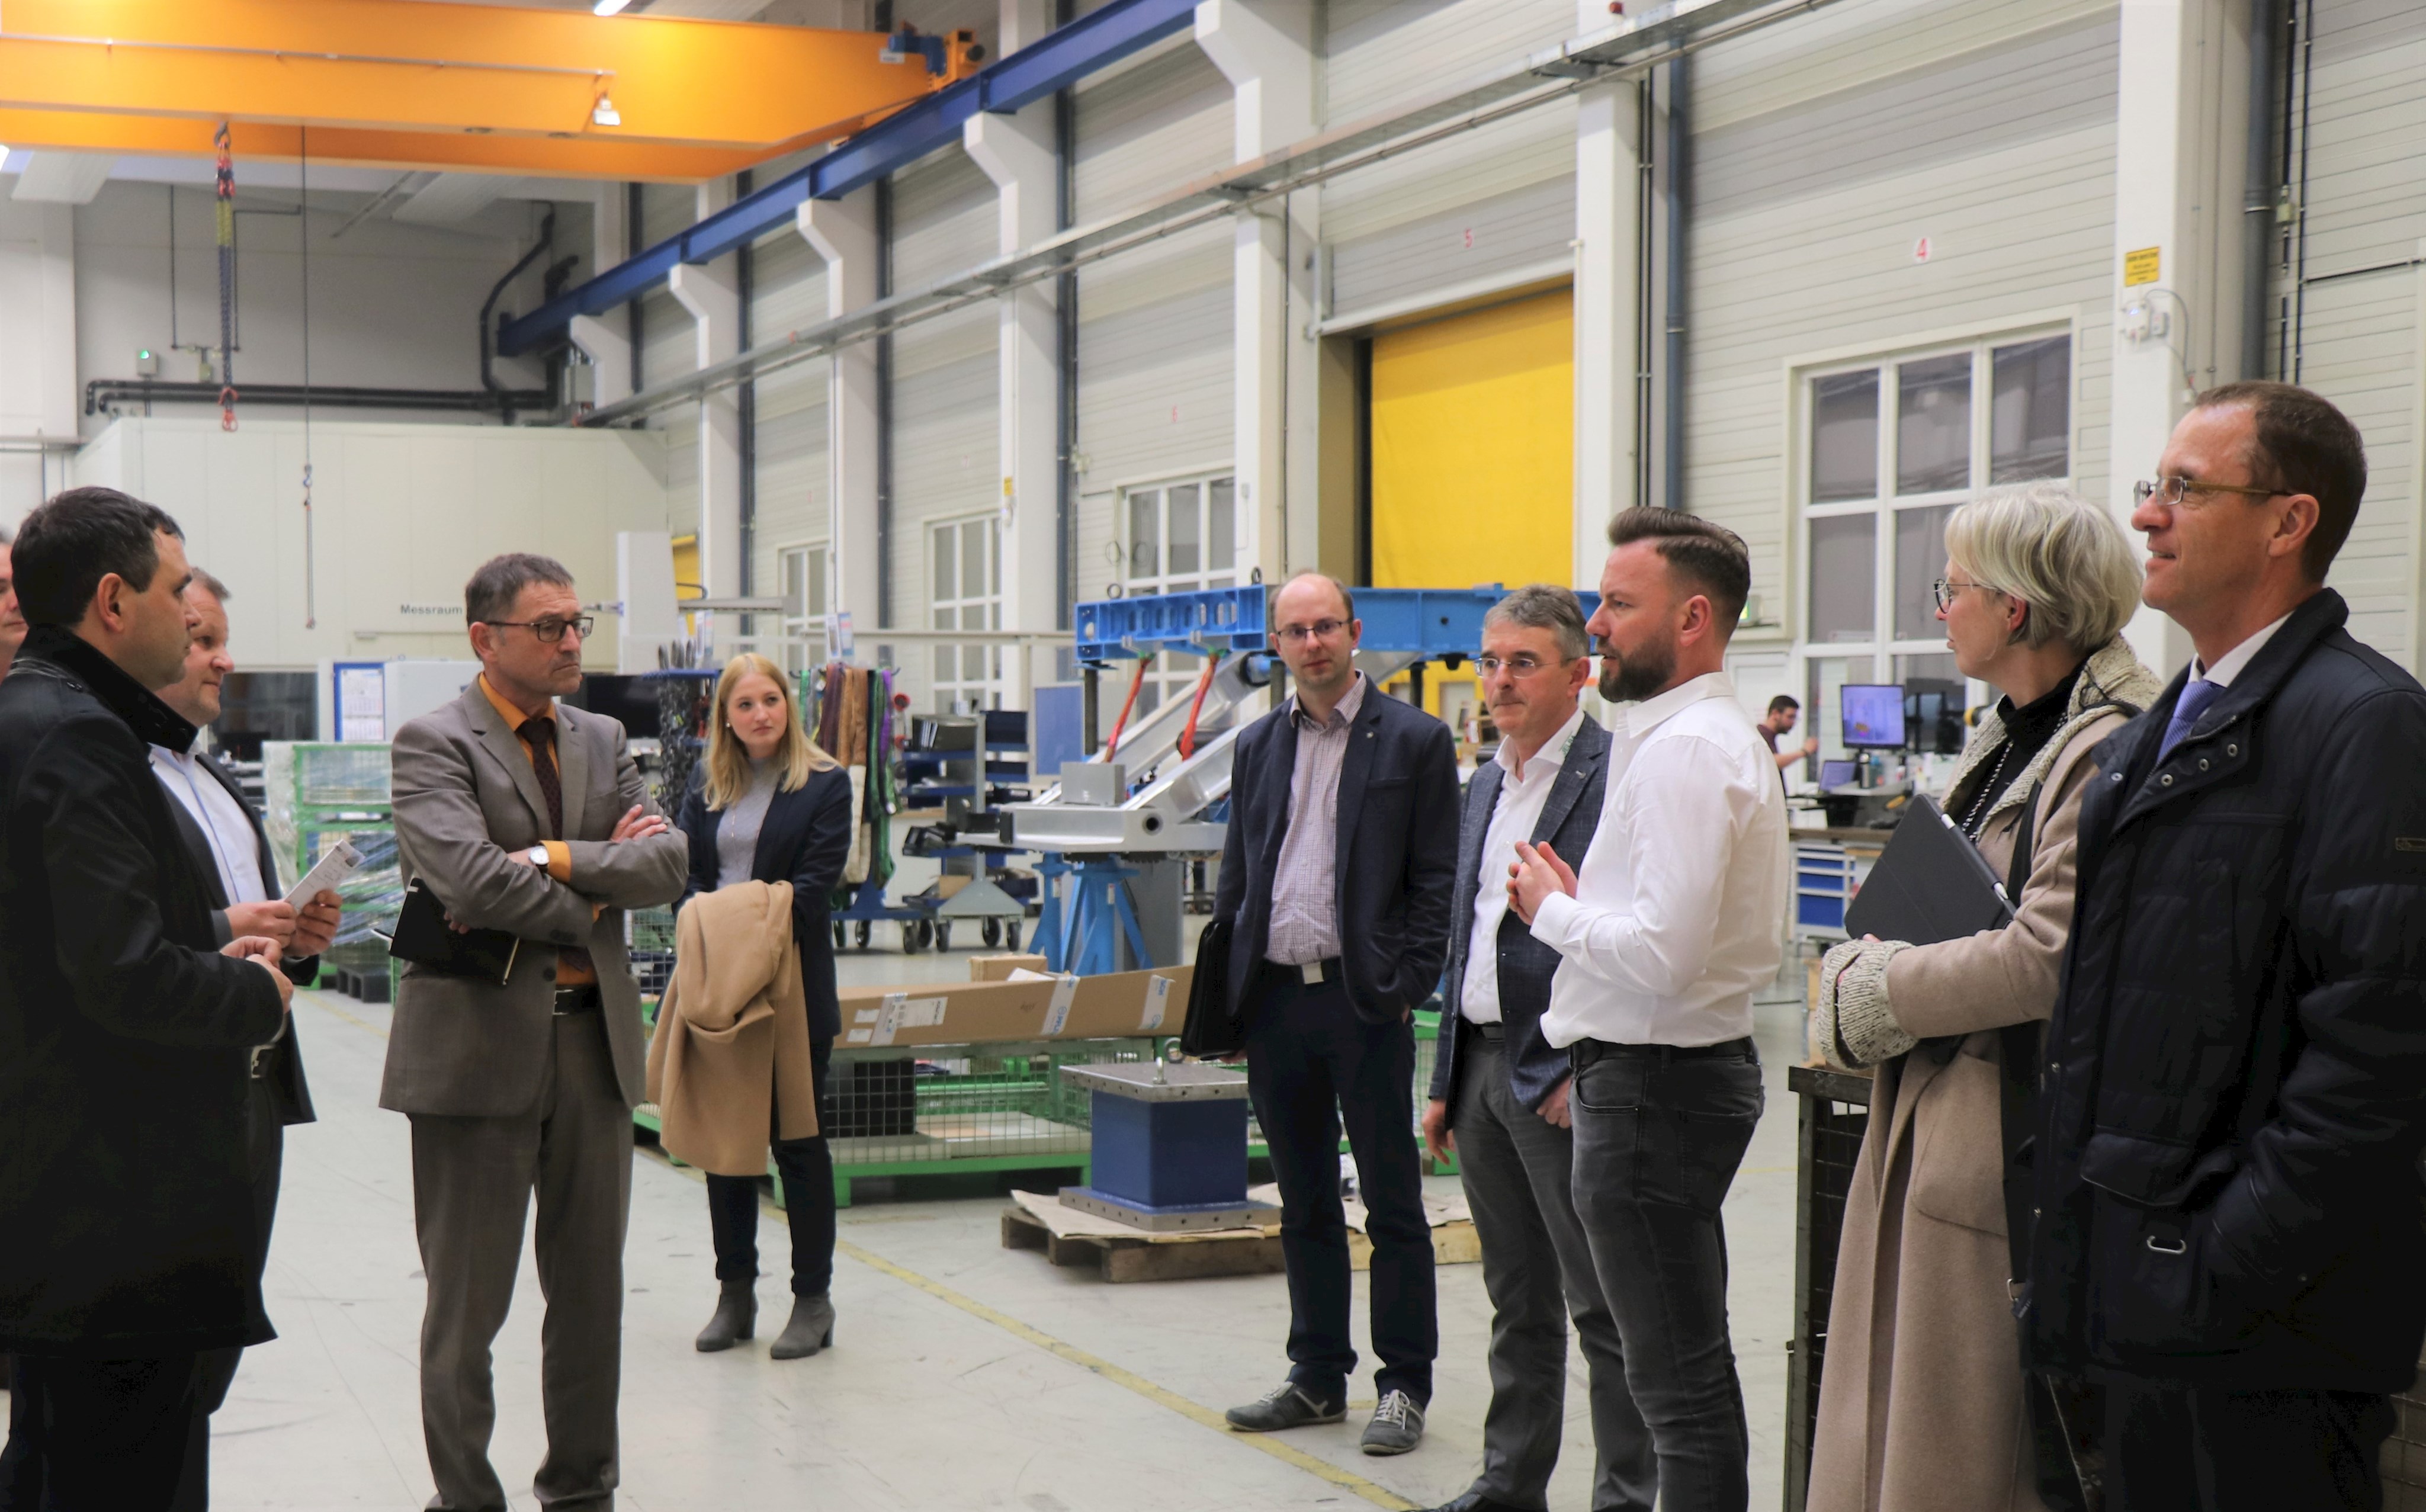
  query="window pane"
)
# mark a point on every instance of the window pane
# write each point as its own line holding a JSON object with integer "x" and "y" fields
{"x": 1919, "y": 560}
{"x": 814, "y": 570}
{"x": 939, "y": 546}
{"x": 1933, "y": 702}
{"x": 1220, "y": 529}
{"x": 1844, "y": 577}
{"x": 1824, "y": 704}
{"x": 2029, "y": 414}
{"x": 1845, "y": 437}
{"x": 973, "y": 559}
{"x": 1183, "y": 532}
{"x": 947, "y": 670}
{"x": 796, "y": 584}
{"x": 1933, "y": 424}
{"x": 1145, "y": 533}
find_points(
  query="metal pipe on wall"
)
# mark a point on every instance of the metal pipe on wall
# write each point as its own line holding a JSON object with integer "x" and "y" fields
{"x": 883, "y": 408}
{"x": 1679, "y": 206}
{"x": 2258, "y": 230}
{"x": 1065, "y": 315}
{"x": 745, "y": 279}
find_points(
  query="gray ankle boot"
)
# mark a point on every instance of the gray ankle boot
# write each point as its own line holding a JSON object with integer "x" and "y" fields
{"x": 737, "y": 1314}
{"x": 810, "y": 1330}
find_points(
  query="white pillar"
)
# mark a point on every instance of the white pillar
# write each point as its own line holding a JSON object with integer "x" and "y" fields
{"x": 709, "y": 292}
{"x": 1016, "y": 153}
{"x": 2178, "y": 201}
{"x": 1608, "y": 307}
{"x": 1265, "y": 48}
{"x": 609, "y": 350}
{"x": 843, "y": 231}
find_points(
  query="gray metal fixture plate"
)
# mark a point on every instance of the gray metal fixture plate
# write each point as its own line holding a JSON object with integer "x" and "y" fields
{"x": 1187, "y": 1081}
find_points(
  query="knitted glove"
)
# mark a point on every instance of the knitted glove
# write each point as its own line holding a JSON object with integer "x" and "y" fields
{"x": 1852, "y": 1025}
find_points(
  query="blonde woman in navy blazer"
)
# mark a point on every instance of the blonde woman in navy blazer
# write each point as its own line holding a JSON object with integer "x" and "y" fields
{"x": 770, "y": 806}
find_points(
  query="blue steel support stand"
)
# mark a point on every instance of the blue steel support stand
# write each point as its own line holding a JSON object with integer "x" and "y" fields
{"x": 1082, "y": 932}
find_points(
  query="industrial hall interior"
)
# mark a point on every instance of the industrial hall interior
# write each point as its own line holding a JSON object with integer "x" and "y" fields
{"x": 1078, "y": 755}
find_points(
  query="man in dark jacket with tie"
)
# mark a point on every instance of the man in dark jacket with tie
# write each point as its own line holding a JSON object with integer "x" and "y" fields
{"x": 2228, "y": 1229}
{"x": 1335, "y": 874}
{"x": 231, "y": 853}
{"x": 1499, "y": 1090}
{"x": 125, "y": 1032}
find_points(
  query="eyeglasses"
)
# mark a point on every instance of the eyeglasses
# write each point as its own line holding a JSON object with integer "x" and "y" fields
{"x": 2170, "y": 492}
{"x": 549, "y": 631}
{"x": 1513, "y": 666}
{"x": 1319, "y": 630}
{"x": 1947, "y": 587}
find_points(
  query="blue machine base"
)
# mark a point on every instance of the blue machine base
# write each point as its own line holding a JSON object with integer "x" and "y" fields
{"x": 1176, "y": 1217}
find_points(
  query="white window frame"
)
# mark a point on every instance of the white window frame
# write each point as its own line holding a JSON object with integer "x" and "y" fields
{"x": 1175, "y": 674}
{"x": 963, "y": 694}
{"x": 1883, "y": 648}
{"x": 804, "y": 620}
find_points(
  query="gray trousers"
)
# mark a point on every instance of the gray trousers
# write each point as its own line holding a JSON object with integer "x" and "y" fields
{"x": 472, "y": 1185}
{"x": 1518, "y": 1170}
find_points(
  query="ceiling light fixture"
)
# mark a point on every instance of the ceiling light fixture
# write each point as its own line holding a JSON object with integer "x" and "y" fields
{"x": 604, "y": 113}
{"x": 609, "y": 8}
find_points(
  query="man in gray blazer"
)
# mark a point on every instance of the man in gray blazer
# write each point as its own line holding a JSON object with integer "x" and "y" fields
{"x": 522, "y": 814}
{"x": 1499, "y": 1090}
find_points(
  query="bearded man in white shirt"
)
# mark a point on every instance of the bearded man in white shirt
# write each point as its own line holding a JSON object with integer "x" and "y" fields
{"x": 1665, "y": 927}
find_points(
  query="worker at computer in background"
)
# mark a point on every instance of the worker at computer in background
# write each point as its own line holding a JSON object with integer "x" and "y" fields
{"x": 1783, "y": 711}
{"x": 231, "y": 852}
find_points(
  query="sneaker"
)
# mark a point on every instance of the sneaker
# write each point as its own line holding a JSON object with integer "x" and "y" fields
{"x": 1398, "y": 1423}
{"x": 1285, "y": 1406}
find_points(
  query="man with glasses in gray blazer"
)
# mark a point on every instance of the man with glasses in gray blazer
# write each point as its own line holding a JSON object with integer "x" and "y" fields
{"x": 522, "y": 814}
{"x": 1499, "y": 1090}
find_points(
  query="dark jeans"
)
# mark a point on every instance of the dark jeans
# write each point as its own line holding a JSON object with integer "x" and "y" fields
{"x": 97, "y": 1435}
{"x": 215, "y": 1368}
{"x": 806, "y": 1166}
{"x": 1658, "y": 1135}
{"x": 1518, "y": 1170}
{"x": 1313, "y": 1065}
{"x": 2185, "y": 1449}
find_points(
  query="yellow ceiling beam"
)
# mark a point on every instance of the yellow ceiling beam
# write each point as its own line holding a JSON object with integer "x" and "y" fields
{"x": 388, "y": 81}
{"x": 343, "y": 147}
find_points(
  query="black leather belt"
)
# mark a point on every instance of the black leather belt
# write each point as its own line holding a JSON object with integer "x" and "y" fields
{"x": 1492, "y": 1031}
{"x": 1588, "y": 1051}
{"x": 576, "y": 1000}
{"x": 1325, "y": 969}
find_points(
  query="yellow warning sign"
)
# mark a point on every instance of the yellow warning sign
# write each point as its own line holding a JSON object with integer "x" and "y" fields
{"x": 2140, "y": 266}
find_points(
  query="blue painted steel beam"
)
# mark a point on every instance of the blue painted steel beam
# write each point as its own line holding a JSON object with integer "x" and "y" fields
{"x": 1094, "y": 42}
{"x": 1431, "y": 622}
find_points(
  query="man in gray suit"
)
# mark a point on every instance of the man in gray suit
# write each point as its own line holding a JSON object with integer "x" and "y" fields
{"x": 1499, "y": 1090}
{"x": 522, "y": 814}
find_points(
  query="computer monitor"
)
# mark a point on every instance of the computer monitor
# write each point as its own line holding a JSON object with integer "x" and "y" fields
{"x": 1836, "y": 774}
{"x": 1874, "y": 716}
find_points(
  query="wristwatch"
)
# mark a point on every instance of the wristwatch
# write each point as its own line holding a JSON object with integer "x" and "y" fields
{"x": 537, "y": 855}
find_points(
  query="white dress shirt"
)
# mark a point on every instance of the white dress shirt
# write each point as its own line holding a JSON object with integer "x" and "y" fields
{"x": 2235, "y": 661}
{"x": 1512, "y": 818}
{"x": 1674, "y": 918}
{"x": 223, "y": 822}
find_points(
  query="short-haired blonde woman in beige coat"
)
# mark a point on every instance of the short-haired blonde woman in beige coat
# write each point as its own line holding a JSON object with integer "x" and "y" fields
{"x": 1922, "y": 1402}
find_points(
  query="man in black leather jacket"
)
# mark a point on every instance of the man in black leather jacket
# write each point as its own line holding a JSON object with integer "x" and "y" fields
{"x": 2229, "y": 1226}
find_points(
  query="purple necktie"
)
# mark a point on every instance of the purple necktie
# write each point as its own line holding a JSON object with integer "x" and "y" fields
{"x": 2192, "y": 703}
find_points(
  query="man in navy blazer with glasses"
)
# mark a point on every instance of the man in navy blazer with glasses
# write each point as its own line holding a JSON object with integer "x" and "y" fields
{"x": 1335, "y": 874}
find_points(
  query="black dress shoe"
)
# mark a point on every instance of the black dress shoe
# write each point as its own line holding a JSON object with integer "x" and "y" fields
{"x": 1285, "y": 1406}
{"x": 1475, "y": 1502}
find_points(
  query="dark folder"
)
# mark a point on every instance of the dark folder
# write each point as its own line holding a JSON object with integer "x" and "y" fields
{"x": 425, "y": 938}
{"x": 1929, "y": 884}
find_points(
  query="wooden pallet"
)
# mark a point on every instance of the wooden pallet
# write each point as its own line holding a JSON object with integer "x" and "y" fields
{"x": 1118, "y": 1258}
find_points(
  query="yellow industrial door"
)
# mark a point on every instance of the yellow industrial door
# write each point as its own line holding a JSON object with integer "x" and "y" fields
{"x": 1473, "y": 456}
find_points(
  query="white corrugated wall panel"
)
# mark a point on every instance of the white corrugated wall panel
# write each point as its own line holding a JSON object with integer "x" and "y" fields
{"x": 1381, "y": 53}
{"x": 1155, "y": 395}
{"x": 1805, "y": 220}
{"x": 945, "y": 379}
{"x": 2358, "y": 337}
{"x": 1147, "y": 128}
{"x": 788, "y": 288}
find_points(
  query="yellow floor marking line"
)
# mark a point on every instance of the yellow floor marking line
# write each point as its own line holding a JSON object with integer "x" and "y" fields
{"x": 321, "y": 1003}
{"x": 1128, "y": 1380}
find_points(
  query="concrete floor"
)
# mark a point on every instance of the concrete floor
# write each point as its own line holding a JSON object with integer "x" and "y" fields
{"x": 963, "y": 1375}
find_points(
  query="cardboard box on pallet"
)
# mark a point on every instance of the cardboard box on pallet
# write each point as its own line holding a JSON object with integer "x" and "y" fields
{"x": 999, "y": 968}
{"x": 1118, "y": 1004}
